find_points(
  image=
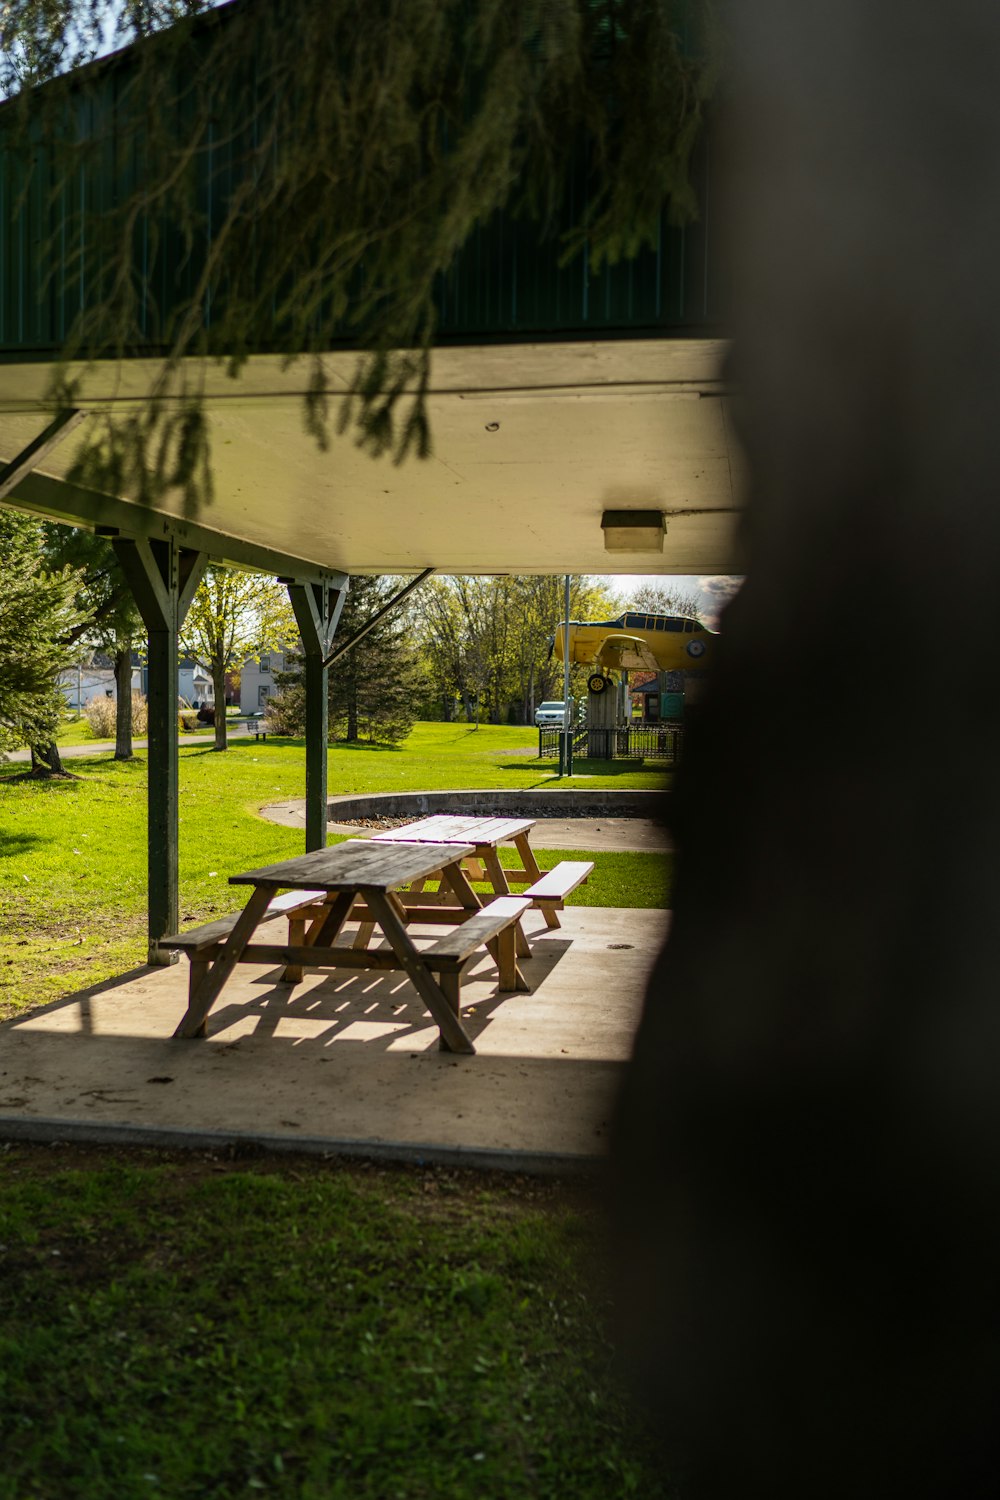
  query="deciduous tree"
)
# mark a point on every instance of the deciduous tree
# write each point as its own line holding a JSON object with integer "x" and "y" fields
{"x": 234, "y": 616}
{"x": 488, "y": 639}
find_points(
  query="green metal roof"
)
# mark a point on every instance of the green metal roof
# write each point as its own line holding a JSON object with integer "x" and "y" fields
{"x": 506, "y": 282}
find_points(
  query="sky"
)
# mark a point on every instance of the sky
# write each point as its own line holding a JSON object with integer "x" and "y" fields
{"x": 712, "y": 591}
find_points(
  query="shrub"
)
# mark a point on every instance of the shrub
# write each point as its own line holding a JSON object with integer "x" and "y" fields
{"x": 100, "y": 714}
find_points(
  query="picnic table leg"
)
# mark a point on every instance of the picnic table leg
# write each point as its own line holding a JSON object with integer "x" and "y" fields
{"x": 292, "y": 973}
{"x": 451, "y": 986}
{"x": 324, "y": 933}
{"x": 199, "y": 967}
{"x": 210, "y": 983}
{"x": 501, "y": 887}
{"x": 528, "y": 860}
{"x": 511, "y": 977}
{"x": 363, "y": 936}
{"x": 300, "y": 936}
{"x": 453, "y": 1036}
{"x": 459, "y": 882}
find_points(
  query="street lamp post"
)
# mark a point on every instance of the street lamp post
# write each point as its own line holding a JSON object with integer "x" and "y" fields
{"x": 566, "y": 747}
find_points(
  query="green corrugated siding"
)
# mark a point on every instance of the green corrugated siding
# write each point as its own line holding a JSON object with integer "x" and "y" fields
{"x": 507, "y": 281}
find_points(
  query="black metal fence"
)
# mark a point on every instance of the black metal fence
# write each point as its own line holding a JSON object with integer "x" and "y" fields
{"x": 662, "y": 742}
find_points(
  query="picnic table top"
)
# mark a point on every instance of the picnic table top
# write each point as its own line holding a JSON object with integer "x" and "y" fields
{"x": 359, "y": 864}
{"x": 446, "y": 828}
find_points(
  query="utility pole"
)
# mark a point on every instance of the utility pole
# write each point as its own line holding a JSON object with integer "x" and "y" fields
{"x": 566, "y": 751}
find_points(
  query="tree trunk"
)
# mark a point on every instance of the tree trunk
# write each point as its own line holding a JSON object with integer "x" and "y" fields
{"x": 123, "y": 707}
{"x": 46, "y": 760}
{"x": 219, "y": 684}
{"x": 352, "y": 716}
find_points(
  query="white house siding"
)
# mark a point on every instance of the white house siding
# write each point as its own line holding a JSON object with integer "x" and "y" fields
{"x": 257, "y": 681}
{"x": 194, "y": 683}
{"x": 79, "y": 687}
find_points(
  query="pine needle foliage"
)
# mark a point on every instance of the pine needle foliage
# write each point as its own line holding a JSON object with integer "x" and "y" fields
{"x": 374, "y": 687}
{"x": 38, "y": 613}
{"x": 299, "y": 177}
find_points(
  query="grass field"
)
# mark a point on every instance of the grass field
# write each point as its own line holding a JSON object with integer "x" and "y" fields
{"x": 313, "y": 1330}
{"x": 73, "y": 852}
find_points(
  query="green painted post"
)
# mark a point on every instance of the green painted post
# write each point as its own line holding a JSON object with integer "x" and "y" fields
{"x": 317, "y": 612}
{"x": 317, "y": 741}
{"x": 162, "y": 798}
{"x": 163, "y": 578}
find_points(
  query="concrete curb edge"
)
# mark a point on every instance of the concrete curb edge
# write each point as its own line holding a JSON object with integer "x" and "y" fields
{"x": 112, "y": 1133}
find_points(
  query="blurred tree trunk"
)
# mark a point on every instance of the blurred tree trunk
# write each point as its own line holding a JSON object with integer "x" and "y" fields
{"x": 123, "y": 708}
{"x": 218, "y": 668}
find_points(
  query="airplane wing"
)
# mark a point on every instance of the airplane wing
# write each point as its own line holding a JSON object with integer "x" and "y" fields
{"x": 626, "y": 653}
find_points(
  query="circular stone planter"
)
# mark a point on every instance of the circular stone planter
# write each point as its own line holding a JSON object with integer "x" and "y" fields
{"x": 545, "y": 803}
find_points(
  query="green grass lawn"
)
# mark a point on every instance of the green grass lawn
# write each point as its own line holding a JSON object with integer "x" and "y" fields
{"x": 75, "y": 732}
{"x": 197, "y": 1327}
{"x": 73, "y": 853}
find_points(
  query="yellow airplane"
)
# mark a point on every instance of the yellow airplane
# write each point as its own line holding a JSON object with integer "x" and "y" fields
{"x": 637, "y": 640}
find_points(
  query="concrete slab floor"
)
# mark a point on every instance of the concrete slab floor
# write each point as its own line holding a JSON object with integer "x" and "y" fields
{"x": 348, "y": 1061}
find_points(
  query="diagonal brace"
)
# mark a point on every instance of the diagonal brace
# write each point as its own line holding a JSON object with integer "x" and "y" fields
{"x": 29, "y": 458}
{"x": 379, "y": 614}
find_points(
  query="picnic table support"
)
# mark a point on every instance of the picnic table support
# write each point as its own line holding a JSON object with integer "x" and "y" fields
{"x": 441, "y": 1006}
{"x": 163, "y": 578}
{"x": 317, "y": 613}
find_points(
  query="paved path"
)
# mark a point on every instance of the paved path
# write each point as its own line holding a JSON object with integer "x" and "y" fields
{"x": 100, "y": 747}
{"x": 627, "y": 835}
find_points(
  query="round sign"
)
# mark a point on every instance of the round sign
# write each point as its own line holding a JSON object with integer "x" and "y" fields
{"x": 597, "y": 683}
{"x": 696, "y": 648}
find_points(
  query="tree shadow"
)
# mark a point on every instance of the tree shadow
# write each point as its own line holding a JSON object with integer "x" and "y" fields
{"x": 20, "y": 843}
{"x": 38, "y": 778}
{"x": 583, "y": 767}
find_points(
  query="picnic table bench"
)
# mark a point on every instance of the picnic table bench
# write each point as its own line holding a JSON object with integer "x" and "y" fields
{"x": 546, "y": 891}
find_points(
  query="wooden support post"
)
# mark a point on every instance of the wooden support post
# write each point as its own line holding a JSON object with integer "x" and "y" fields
{"x": 317, "y": 612}
{"x": 163, "y": 578}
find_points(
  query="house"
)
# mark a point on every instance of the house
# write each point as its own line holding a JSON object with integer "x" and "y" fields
{"x": 93, "y": 678}
{"x": 97, "y": 680}
{"x": 257, "y": 682}
{"x": 194, "y": 683}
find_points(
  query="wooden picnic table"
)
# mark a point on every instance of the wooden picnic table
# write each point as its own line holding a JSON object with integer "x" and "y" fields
{"x": 362, "y": 879}
{"x": 545, "y": 890}
{"x": 484, "y": 834}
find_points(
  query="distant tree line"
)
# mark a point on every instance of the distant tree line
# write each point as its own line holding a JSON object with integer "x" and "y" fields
{"x": 476, "y": 649}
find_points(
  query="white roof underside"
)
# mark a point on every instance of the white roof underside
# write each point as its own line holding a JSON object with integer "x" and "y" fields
{"x": 532, "y": 443}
